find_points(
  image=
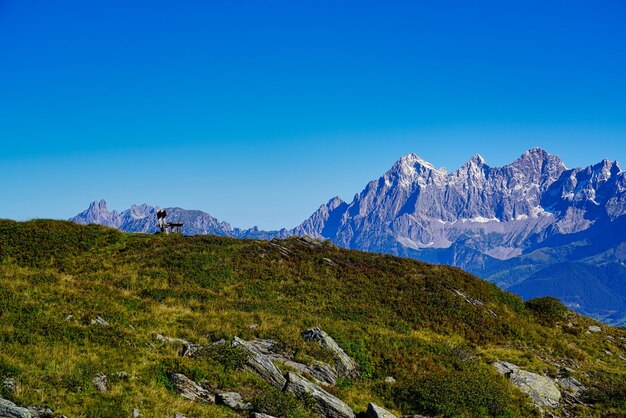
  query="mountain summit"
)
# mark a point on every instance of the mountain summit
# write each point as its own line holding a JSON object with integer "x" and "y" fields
{"x": 506, "y": 224}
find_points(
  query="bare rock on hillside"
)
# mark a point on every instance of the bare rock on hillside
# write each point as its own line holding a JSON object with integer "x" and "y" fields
{"x": 234, "y": 401}
{"x": 260, "y": 364}
{"x": 343, "y": 363}
{"x": 541, "y": 389}
{"x": 375, "y": 411}
{"x": 190, "y": 390}
{"x": 326, "y": 404}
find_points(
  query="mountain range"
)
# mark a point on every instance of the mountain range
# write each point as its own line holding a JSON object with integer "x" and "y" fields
{"x": 533, "y": 227}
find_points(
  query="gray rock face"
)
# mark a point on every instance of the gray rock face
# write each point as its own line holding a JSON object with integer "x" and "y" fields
{"x": 326, "y": 404}
{"x": 190, "y": 390}
{"x": 541, "y": 389}
{"x": 375, "y": 411}
{"x": 38, "y": 412}
{"x": 9, "y": 410}
{"x": 343, "y": 363}
{"x": 261, "y": 364}
{"x": 234, "y": 401}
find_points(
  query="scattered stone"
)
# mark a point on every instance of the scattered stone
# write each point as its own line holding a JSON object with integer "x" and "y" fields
{"x": 343, "y": 363}
{"x": 594, "y": 328}
{"x": 100, "y": 382}
{"x": 220, "y": 342}
{"x": 99, "y": 321}
{"x": 325, "y": 404}
{"x": 69, "y": 317}
{"x": 390, "y": 380}
{"x": 9, "y": 410}
{"x": 375, "y": 411}
{"x": 260, "y": 415}
{"x": 179, "y": 415}
{"x": 261, "y": 364}
{"x": 608, "y": 353}
{"x": 9, "y": 384}
{"x": 38, "y": 412}
{"x": 191, "y": 349}
{"x": 252, "y": 326}
{"x": 329, "y": 261}
{"x": 541, "y": 389}
{"x": 309, "y": 241}
{"x": 190, "y": 390}
{"x": 234, "y": 401}
{"x": 136, "y": 413}
{"x": 171, "y": 340}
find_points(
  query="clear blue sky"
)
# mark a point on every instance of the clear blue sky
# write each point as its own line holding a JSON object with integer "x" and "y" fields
{"x": 259, "y": 111}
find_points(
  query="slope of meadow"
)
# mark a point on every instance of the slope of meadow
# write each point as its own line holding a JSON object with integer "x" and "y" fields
{"x": 436, "y": 330}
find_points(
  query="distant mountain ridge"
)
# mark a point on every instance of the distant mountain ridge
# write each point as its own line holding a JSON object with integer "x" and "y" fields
{"x": 514, "y": 225}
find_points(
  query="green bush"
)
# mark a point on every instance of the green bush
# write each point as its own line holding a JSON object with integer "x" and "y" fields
{"x": 547, "y": 310}
{"x": 472, "y": 391}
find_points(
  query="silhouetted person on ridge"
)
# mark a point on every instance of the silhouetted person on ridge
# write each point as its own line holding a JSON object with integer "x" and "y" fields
{"x": 161, "y": 219}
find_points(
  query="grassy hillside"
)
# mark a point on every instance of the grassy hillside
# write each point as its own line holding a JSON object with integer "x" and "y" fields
{"x": 435, "y": 329}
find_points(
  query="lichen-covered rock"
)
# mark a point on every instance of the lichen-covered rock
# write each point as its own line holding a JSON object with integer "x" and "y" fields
{"x": 375, "y": 411}
{"x": 234, "y": 401}
{"x": 39, "y": 412}
{"x": 9, "y": 410}
{"x": 541, "y": 389}
{"x": 325, "y": 404}
{"x": 190, "y": 390}
{"x": 100, "y": 382}
{"x": 343, "y": 363}
{"x": 594, "y": 328}
{"x": 261, "y": 364}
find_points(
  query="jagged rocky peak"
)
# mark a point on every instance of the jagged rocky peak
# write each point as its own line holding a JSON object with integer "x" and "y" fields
{"x": 334, "y": 203}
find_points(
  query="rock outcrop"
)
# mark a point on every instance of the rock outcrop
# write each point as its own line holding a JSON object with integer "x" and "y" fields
{"x": 343, "y": 363}
{"x": 190, "y": 390}
{"x": 375, "y": 411}
{"x": 9, "y": 410}
{"x": 233, "y": 400}
{"x": 260, "y": 364}
{"x": 541, "y": 389}
{"x": 326, "y": 404}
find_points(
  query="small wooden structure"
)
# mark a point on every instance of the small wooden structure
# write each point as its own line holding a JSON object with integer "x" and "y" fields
{"x": 174, "y": 227}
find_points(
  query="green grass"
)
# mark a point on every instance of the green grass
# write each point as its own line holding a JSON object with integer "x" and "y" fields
{"x": 395, "y": 317}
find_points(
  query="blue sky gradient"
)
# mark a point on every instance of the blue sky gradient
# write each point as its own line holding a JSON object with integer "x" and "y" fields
{"x": 257, "y": 112}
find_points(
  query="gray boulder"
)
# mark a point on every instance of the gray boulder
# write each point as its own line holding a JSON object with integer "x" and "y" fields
{"x": 9, "y": 410}
{"x": 343, "y": 363}
{"x": 326, "y": 404}
{"x": 261, "y": 364}
{"x": 234, "y": 401}
{"x": 541, "y": 389}
{"x": 190, "y": 390}
{"x": 375, "y": 411}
